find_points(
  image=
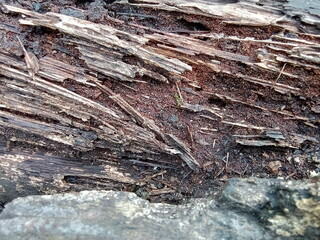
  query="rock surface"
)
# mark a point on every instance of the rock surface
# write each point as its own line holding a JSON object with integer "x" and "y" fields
{"x": 246, "y": 209}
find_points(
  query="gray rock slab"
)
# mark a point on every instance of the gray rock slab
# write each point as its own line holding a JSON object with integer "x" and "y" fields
{"x": 246, "y": 209}
{"x": 119, "y": 215}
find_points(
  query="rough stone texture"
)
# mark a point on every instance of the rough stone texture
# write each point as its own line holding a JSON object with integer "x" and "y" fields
{"x": 246, "y": 209}
{"x": 288, "y": 209}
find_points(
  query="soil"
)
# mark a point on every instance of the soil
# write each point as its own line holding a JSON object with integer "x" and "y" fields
{"x": 212, "y": 141}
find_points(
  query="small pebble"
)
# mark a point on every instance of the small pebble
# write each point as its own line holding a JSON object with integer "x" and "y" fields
{"x": 36, "y": 6}
{"x": 274, "y": 166}
{"x": 298, "y": 160}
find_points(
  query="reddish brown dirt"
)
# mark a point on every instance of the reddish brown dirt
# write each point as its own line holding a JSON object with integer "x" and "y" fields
{"x": 211, "y": 141}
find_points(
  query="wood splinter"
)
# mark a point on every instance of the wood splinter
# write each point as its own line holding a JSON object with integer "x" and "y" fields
{"x": 31, "y": 61}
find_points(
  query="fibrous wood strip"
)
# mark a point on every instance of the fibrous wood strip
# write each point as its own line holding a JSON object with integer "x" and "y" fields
{"x": 244, "y": 12}
{"x": 284, "y": 59}
{"x": 263, "y": 143}
{"x": 281, "y": 112}
{"x": 191, "y": 46}
{"x": 25, "y": 173}
{"x": 308, "y": 53}
{"x": 79, "y": 139}
{"x": 178, "y": 146}
{"x": 270, "y": 61}
{"x": 294, "y": 40}
{"x": 275, "y": 138}
{"x": 109, "y": 62}
{"x": 46, "y": 100}
{"x": 58, "y": 71}
{"x": 103, "y": 35}
{"x": 282, "y": 88}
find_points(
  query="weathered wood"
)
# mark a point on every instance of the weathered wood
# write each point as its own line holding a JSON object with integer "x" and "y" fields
{"x": 23, "y": 174}
{"x": 107, "y": 36}
{"x": 118, "y": 44}
{"x": 241, "y": 12}
{"x": 114, "y": 130}
{"x": 275, "y": 138}
{"x": 39, "y": 104}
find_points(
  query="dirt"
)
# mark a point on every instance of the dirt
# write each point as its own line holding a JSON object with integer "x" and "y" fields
{"x": 211, "y": 141}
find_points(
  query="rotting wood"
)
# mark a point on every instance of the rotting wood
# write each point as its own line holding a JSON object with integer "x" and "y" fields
{"x": 263, "y": 143}
{"x": 46, "y": 94}
{"x": 179, "y": 148}
{"x": 281, "y": 112}
{"x": 241, "y": 13}
{"x": 65, "y": 24}
{"x": 46, "y": 108}
{"x": 161, "y": 191}
{"x": 244, "y": 125}
{"x": 113, "y": 65}
{"x": 46, "y": 174}
{"x": 31, "y": 61}
{"x": 108, "y": 37}
{"x": 274, "y": 138}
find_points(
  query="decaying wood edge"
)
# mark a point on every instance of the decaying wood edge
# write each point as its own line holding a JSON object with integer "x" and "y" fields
{"x": 23, "y": 174}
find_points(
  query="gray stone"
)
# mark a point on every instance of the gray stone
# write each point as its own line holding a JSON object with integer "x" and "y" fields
{"x": 73, "y": 13}
{"x": 246, "y": 209}
{"x": 307, "y": 10}
{"x": 289, "y": 209}
{"x": 312, "y": 6}
{"x": 96, "y": 10}
{"x": 36, "y": 6}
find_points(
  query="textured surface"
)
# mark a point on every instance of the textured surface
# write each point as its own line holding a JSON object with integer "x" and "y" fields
{"x": 246, "y": 209}
{"x": 115, "y": 215}
{"x": 130, "y": 95}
